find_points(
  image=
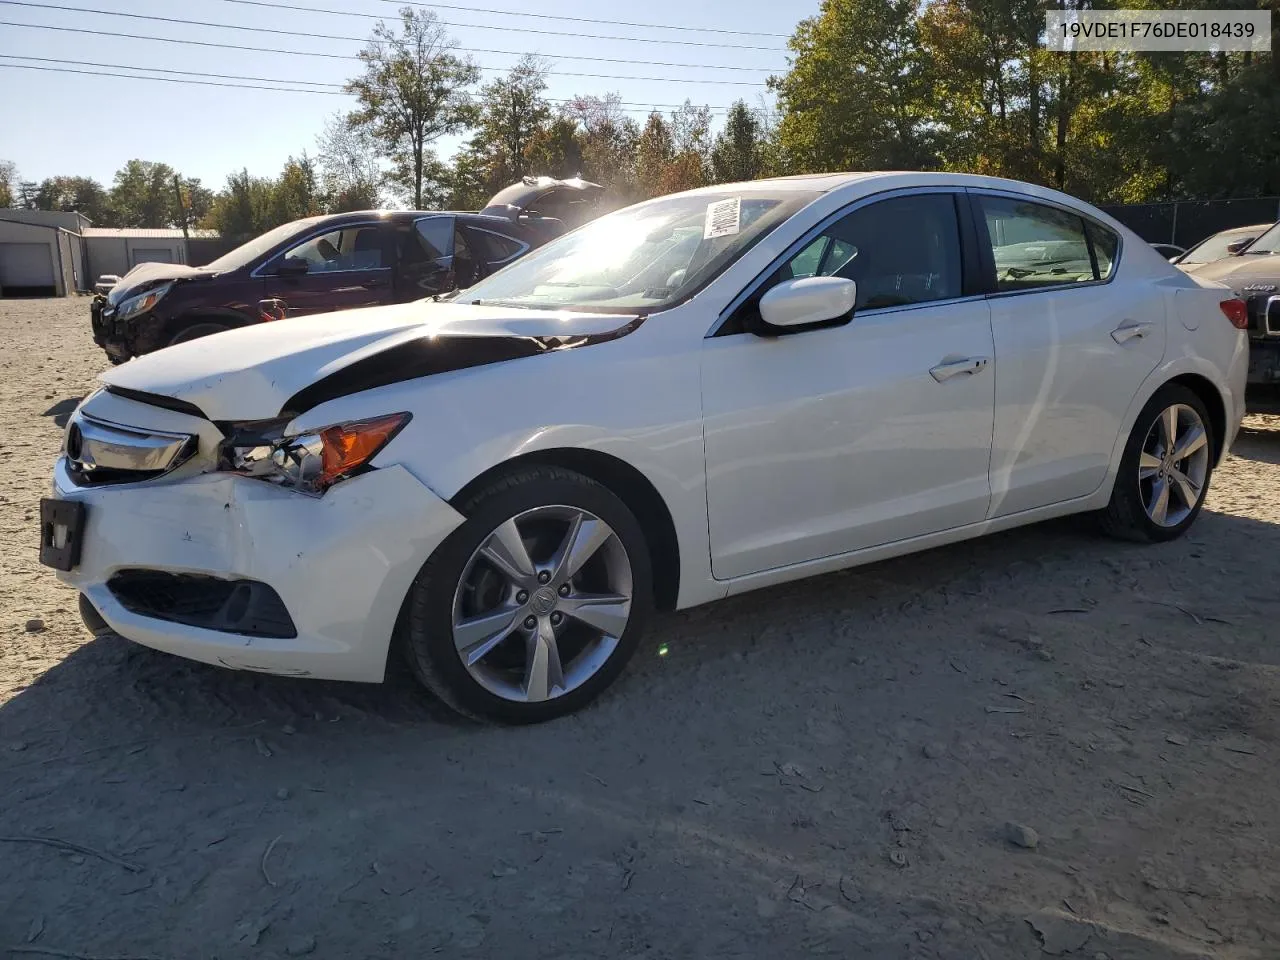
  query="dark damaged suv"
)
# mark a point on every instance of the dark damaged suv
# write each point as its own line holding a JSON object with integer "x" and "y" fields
{"x": 337, "y": 262}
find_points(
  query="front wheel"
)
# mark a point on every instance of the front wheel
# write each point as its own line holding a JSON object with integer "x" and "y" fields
{"x": 1164, "y": 472}
{"x": 194, "y": 331}
{"x": 534, "y": 605}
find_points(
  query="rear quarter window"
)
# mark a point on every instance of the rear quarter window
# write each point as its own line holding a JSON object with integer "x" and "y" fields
{"x": 1106, "y": 245}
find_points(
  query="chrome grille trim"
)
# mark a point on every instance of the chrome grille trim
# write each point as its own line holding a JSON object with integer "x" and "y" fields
{"x": 99, "y": 451}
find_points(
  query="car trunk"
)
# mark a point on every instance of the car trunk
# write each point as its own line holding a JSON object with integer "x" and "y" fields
{"x": 546, "y": 201}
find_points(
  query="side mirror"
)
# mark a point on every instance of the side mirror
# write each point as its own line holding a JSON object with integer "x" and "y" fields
{"x": 292, "y": 267}
{"x": 1235, "y": 246}
{"x": 809, "y": 301}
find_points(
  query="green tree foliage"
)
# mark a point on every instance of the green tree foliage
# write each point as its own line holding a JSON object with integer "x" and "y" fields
{"x": 142, "y": 195}
{"x": 967, "y": 85}
{"x": 738, "y": 152}
{"x": 8, "y": 181}
{"x": 81, "y": 194}
{"x": 513, "y": 113}
{"x": 412, "y": 92}
{"x": 856, "y": 97}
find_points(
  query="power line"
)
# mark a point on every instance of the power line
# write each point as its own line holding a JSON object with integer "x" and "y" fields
{"x": 623, "y": 105}
{"x": 322, "y": 36}
{"x": 315, "y": 83}
{"x": 134, "y": 76}
{"x": 345, "y": 56}
{"x": 228, "y": 46}
{"x": 516, "y": 13}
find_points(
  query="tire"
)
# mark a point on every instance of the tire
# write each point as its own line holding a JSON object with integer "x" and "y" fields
{"x": 194, "y": 331}
{"x": 461, "y": 585}
{"x": 1133, "y": 511}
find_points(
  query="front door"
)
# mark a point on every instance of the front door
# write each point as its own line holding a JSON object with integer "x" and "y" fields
{"x": 1074, "y": 340}
{"x": 832, "y": 440}
{"x": 340, "y": 269}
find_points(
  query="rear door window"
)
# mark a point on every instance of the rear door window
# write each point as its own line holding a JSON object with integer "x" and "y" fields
{"x": 1035, "y": 245}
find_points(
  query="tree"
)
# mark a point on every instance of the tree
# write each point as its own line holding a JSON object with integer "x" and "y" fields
{"x": 80, "y": 194}
{"x": 513, "y": 112}
{"x": 412, "y": 92}
{"x": 8, "y": 181}
{"x": 243, "y": 209}
{"x": 856, "y": 96}
{"x": 654, "y": 153}
{"x": 556, "y": 149}
{"x": 737, "y": 153}
{"x": 142, "y": 195}
{"x": 27, "y": 193}
{"x": 608, "y": 139}
{"x": 295, "y": 193}
{"x": 350, "y": 172}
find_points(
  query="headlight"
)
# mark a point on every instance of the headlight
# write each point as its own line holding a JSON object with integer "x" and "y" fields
{"x": 141, "y": 303}
{"x": 311, "y": 462}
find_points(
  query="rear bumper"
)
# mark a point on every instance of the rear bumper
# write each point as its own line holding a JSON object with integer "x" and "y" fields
{"x": 341, "y": 564}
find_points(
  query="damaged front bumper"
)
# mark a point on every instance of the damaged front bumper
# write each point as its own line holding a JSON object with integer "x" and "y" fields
{"x": 321, "y": 580}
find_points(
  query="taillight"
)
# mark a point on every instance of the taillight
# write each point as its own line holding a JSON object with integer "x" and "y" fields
{"x": 1237, "y": 311}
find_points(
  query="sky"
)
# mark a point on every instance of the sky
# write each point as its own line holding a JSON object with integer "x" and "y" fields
{"x": 59, "y": 123}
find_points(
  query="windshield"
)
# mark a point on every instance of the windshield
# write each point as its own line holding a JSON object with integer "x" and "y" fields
{"x": 1269, "y": 242}
{"x": 1215, "y": 248}
{"x": 246, "y": 253}
{"x": 646, "y": 257}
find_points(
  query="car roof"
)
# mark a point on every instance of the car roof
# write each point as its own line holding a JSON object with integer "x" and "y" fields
{"x": 403, "y": 216}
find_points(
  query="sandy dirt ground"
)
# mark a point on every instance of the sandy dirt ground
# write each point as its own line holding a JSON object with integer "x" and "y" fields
{"x": 1042, "y": 743}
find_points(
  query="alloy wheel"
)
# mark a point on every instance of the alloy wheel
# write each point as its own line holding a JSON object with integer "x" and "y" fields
{"x": 1173, "y": 465}
{"x": 541, "y": 603}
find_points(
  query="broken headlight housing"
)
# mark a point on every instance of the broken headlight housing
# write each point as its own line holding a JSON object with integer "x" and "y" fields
{"x": 309, "y": 462}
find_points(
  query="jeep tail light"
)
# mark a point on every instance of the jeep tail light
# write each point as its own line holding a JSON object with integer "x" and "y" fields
{"x": 1237, "y": 312}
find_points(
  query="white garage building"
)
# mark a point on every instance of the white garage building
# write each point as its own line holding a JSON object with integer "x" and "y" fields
{"x": 52, "y": 254}
{"x": 41, "y": 253}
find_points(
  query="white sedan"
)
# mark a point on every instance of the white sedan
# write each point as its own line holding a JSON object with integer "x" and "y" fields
{"x": 693, "y": 397}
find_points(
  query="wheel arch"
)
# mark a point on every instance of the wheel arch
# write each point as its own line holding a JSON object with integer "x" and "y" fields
{"x": 627, "y": 483}
{"x": 1212, "y": 398}
{"x": 226, "y": 316}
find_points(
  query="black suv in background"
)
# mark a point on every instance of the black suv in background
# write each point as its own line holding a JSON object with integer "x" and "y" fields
{"x": 337, "y": 262}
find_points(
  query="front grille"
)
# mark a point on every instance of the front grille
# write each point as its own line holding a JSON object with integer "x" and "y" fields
{"x": 246, "y": 607}
{"x": 99, "y": 452}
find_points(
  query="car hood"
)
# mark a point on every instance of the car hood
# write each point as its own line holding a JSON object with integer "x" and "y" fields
{"x": 1243, "y": 272}
{"x": 147, "y": 275}
{"x": 277, "y": 369}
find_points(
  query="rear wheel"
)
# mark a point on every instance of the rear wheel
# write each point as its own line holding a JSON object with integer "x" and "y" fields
{"x": 1164, "y": 472}
{"x": 534, "y": 605}
{"x": 194, "y": 331}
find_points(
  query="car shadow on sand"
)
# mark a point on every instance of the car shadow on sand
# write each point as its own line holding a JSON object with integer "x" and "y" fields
{"x": 756, "y": 777}
{"x": 62, "y": 410}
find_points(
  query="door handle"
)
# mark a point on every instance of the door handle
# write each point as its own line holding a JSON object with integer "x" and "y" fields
{"x": 954, "y": 368}
{"x": 1127, "y": 331}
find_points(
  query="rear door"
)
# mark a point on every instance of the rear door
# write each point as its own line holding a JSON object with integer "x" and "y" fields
{"x": 335, "y": 269}
{"x": 1074, "y": 340}
{"x": 424, "y": 252}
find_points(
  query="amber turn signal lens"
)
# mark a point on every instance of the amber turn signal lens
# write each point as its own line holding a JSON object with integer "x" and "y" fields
{"x": 349, "y": 446}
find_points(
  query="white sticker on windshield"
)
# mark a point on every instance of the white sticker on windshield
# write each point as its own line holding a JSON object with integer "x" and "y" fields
{"x": 723, "y": 218}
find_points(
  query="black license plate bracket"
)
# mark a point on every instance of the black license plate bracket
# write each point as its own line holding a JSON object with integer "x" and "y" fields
{"x": 61, "y": 532}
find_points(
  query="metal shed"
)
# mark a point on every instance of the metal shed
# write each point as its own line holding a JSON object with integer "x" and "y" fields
{"x": 38, "y": 259}
{"x": 117, "y": 251}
